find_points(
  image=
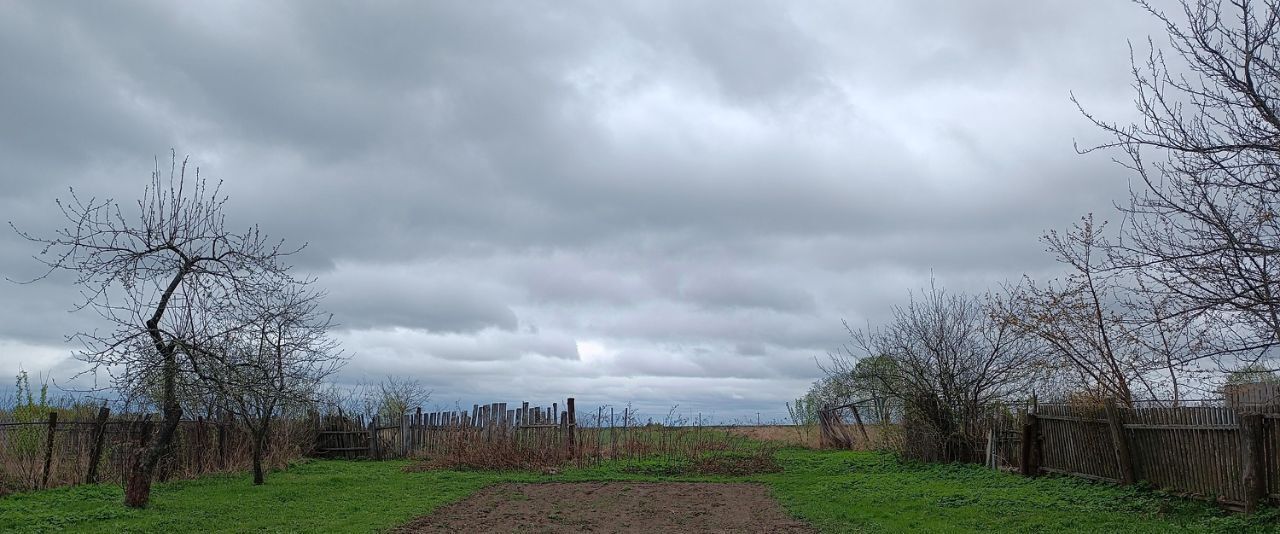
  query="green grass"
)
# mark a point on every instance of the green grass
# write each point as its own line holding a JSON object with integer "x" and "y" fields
{"x": 834, "y": 491}
{"x": 868, "y": 492}
{"x": 321, "y": 496}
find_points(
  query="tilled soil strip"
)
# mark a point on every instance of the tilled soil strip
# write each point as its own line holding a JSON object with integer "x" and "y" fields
{"x": 626, "y": 507}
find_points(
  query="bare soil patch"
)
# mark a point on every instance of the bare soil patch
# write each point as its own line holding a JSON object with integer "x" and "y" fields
{"x": 626, "y": 507}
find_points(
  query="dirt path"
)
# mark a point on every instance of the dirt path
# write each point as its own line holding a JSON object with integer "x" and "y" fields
{"x": 631, "y": 507}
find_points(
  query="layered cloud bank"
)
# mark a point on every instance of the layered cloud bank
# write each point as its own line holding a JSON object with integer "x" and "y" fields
{"x": 656, "y": 203}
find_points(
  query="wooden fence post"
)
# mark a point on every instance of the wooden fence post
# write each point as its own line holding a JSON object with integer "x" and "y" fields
{"x": 1120, "y": 443}
{"x": 563, "y": 421}
{"x": 48, "y": 448}
{"x": 571, "y": 423}
{"x": 991, "y": 447}
{"x": 822, "y": 427}
{"x": 373, "y": 437}
{"x": 95, "y": 452}
{"x": 1030, "y": 446}
{"x": 1252, "y": 474}
{"x": 858, "y": 418}
{"x": 417, "y": 431}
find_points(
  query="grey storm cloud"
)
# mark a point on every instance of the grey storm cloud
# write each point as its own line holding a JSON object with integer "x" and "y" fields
{"x": 650, "y": 202}
{"x": 372, "y": 296}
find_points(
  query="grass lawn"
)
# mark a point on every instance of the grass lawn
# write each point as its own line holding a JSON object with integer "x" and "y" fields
{"x": 834, "y": 491}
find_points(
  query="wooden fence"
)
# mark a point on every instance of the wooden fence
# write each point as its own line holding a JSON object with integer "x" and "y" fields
{"x": 499, "y": 435}
{"x": 1209, "y": 452}
{"x": 339, "y": 436}
{"x": 70, "y": 448}
{"x": 417, "y": 433}
{"x": 65, "y": 449}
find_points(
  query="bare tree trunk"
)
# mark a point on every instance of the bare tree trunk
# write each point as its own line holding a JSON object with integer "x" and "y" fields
{"x": 258, "y": 477}
{"x": 138, "y": 486}
{"x": 259, "y": 450}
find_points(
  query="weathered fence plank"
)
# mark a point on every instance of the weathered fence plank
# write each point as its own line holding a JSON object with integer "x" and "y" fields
{"x": 1030, "y": 451}
{"x": 1254, "y": 479}
{"x": 1120, "y": 443}
{"x": 858, "y": 419}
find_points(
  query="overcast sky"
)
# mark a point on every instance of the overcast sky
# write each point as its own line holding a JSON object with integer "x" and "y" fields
{"x": 651, "y": 202}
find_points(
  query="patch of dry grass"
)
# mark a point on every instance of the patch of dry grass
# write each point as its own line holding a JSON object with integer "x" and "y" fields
{"x": 808, "y": 435}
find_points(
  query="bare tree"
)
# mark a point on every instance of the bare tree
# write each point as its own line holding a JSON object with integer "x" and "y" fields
{"x": 1109, "y": 336}
{"x": 389, "y": 398}
{"x": 394, "y": 397}
{"x": 157, "y": 277}
{"x": 947, "y": 358}
{"x": 1202, "y": 229}
{"x": 1179, "y": 349}
{"x": 276, "y": 355}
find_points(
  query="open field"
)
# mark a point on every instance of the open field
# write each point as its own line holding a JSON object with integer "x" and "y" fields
{"x": 799, "y": 436}
{"x": 831, "y": 491}
{"x": 802, "y": 436}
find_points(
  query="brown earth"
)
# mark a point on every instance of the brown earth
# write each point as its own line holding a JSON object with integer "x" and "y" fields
{"x": 626, "y": 507}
